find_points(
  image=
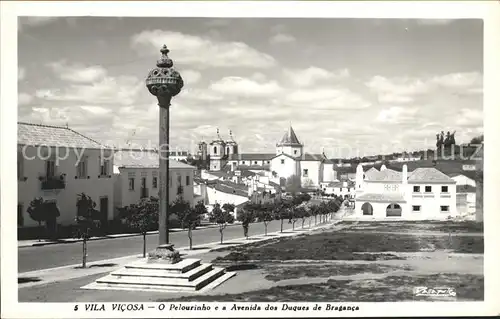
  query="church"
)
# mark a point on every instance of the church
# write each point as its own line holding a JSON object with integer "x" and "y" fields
{"x": 288, "y": 160}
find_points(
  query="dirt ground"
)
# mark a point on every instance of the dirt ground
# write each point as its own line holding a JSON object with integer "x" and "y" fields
{"x": 334, "y": 264}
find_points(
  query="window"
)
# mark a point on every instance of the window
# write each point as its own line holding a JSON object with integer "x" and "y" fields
{"x": 187, "y": 180}
{"x": 81, "y": 169}
{"x": 444, "y": 189}
{"x": 255, "y": 162}
{"x": 105, "y": 168}
{"x": 215, "y": 149}
{"x": 20, "y": 166}
{"x": 428, "y": 189}
{"x": 143, "y": 182}
{"x": 179, "y": 179}
{"x": 348, "y": 189}
{"x": 20, "y": 217}
{"x": 295, "y": 152}
{"x": 416, "y": 208}
{"x": 155, "y": 182}
{"x": 227, "y": 150}
{"x": 243, "y": 162}
{"x": 268, "y": 162}
{"x": 131, "y": 184}
{"x": 282, "y": 161}
{"x": 341, "y": 189}
{"x": 416, "y": 189}
{"x": 305, "y": 172}
{"x": 50, "y": 168}
{"x": 445, "y": 209}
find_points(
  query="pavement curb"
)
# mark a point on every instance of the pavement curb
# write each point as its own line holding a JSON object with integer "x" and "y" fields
{"x": 73, "y": 240}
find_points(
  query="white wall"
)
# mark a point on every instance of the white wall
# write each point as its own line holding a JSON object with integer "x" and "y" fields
{"x": 314, "y": 172}
{"x": 328, "y": 173}
{"x": 33, "y": 166}
{"x": 464, "y": 180}
{"x": 133, "y": 196}
{"x": 289, "y": 168}
{"x": 294, "y": 151}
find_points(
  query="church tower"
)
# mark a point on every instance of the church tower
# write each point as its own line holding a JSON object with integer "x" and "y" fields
{"x": 289, "y": 144}
{"x": 231, "y": 145}
{"x": 218, "y": 154}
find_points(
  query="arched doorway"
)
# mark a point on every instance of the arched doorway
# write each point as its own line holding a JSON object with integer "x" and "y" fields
{"x": 367, "y": 209}
{"x": 393, "y": 210}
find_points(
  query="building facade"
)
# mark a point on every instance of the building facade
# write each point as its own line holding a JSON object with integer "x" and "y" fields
{"x": 422, "y": 194}
{"x": 136, "y": 176}
{"x": 57, "y": 164}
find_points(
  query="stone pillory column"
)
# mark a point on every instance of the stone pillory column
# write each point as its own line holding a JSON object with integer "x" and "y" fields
{"x": 164, "y": 82}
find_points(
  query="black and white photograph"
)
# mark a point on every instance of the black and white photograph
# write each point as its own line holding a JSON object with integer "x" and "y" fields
{"x": 260, "y": 165}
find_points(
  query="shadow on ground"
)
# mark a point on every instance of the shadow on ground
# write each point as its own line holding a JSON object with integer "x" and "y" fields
{"x": 97, "y": 266}
{"x": 23, "y": 280}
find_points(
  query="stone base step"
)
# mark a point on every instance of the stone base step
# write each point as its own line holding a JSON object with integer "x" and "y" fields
{"x": 174, "y": 283}
{"x": 182, "y": 266}
{"x": 161, "y": 273}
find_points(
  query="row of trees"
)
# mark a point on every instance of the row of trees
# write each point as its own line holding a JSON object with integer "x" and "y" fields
{"x": 293, "y": 209}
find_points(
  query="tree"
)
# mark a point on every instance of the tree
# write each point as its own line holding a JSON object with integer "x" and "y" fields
{"x": 180, "y": 208}
{"x": 247, "y": 216}
{"x": 222, "y": 218}
{"x": 193, "y": 218}
{"x": 302, "y": 213}
{"x": 87, "y": 221}
{"x": 477, "y": 140}
{"x": 142, "y": 216}
{"x": 266, "y": 216}
{"x": 280, "y": 211}
{"x": 41, "y": 211}
{"x": 293, "y": 184}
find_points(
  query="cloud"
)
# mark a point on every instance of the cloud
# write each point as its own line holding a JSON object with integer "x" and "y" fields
{"x": 77, "y": 72}
{"x": 238, "y": 86}
{"x": 470, "y": 118}
{"x": 190, "y": 76}
{"x": 201, "y": 51}
{"x": 434, "y": 21}
{"x": 326, "y": 99}
{"x": 396, "y": 115}
{"x": 312, "y": 75}
{"x": 114, "y": 91}
{"x": 21, "y": 73}
{"x": 24, "y": 98}
{"x": 35, "y": 21}
{"x": 406, "y": 89}
{"x": 281, "y": 38}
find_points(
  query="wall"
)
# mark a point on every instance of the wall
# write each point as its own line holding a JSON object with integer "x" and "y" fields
{"x": 133, "y": 196}
{"x": 431, "y": 203}
{"x": 464, "y": 180}
{"x": 315, "y": 173}
{"x": 289, "y": 168}
{"x": 328, "y": 173}
{"x": 66, "y": 198}
{"x": 217, "y": 197}
{"x": 294, "y": 151}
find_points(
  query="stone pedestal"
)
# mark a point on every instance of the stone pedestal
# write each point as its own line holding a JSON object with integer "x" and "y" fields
{"x": 164, "y": 254}
{"x": 186, "y": 275}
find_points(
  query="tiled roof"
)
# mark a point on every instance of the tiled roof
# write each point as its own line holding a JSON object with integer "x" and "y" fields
{"x": 387, "y": 197}
{"x": 251, "y": 157}
{"x": 312, "y": 157}
{"x": 428, "y": 174}
{"x": 469, "y": 174}
{"x": 371, "y": 173}
{"x": 231, "y": 188}
{"x": 57, "y": 136}
{"x": 339, "y": 184}
{"x": 465, "y": 189}
{"x": 143, "y": 159}
{"x": 290, "y": 138}
{"x": 387, "y": 175}
{"x": 253, "y": 167}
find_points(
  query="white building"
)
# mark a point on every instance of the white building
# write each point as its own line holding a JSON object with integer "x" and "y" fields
{"x": 136, "y": 176}
{"x": 288, "y": 160}
{"x": 56, "y": 163}
{"x": 346, "y": 189}
{"x": 424, "y": 193}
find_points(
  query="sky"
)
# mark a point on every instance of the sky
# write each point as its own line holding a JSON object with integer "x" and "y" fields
{"x": 349, "y": 87}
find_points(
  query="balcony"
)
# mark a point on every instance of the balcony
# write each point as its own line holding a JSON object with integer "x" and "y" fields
{"x": 52, "y": 182}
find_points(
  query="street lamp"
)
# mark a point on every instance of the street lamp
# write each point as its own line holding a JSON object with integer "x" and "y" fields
{"x": 164, "y": 82}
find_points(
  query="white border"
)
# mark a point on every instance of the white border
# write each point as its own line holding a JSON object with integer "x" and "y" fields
{"x": 487, "y": 10}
